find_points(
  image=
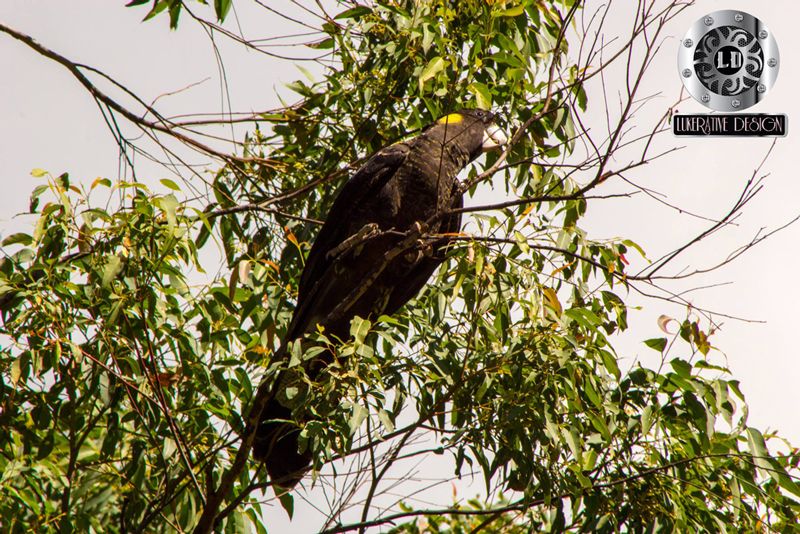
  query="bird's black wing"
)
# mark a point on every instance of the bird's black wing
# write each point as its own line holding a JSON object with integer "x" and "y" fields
{"x": 365, "y": 183}
{"x": 416, "y": 279}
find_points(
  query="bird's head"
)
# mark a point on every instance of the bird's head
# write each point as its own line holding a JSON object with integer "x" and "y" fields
{"x": 473, "y": 130}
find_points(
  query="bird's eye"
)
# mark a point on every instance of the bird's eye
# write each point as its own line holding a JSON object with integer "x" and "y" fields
{"x": 484, "y": 116}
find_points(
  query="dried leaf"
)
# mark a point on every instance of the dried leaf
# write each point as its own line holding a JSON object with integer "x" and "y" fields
{"x": 663, "y": 323}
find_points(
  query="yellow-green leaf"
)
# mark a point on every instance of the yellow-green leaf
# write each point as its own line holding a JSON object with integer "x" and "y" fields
{"x": 359, "y": 414}
{"x": 170, "y": 184}
{"x": 647, "y": 419}
{"x": 383, "y": 415}
{"x": 16, "y": 371}
{"x": 359, "y": 328}
{"x": 483, "y": 98}
{"x": 434, "y": 67}
{"x": 513, "y": 11}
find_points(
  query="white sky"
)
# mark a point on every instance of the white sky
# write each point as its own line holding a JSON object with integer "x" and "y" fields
{"x": 48, "y": 121}
{"x": 706, "y": 177}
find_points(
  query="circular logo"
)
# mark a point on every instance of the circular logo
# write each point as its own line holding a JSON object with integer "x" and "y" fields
{"x": 728, "y": 60}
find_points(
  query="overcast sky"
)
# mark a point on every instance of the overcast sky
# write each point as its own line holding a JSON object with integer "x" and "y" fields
{"x": 47, "y": 120}
{"x": 705, "y": 178}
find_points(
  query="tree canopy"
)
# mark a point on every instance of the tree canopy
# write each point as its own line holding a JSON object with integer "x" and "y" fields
{"x": 127, "y": 370}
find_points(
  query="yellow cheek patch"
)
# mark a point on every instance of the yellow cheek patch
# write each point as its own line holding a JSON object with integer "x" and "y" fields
{"x": 453, "y": 118}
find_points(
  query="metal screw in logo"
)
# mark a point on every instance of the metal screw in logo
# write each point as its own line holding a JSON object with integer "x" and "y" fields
{"x": 728, "y": 60}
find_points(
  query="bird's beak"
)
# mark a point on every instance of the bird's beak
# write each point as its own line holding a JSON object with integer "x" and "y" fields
{"x": 493, "y": 137}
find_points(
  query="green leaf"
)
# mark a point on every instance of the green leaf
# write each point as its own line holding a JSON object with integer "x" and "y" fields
{"x": 359, "y": 328}
{"x": 483, "y": 98}
{"x": 287, "y": 502}
{"x": 513, "y": 11}
{"x": 45, "y": 446}
{"x": 357, "y": 417}
{"x": 38, "y": 173}
{"x": 325, "y": 44}
{"x": 786, "y": 481}
{"x": 18, "y": 239}
{"x": 574, "y": 442}
{"x": 610, "y": 363}
{"x": 174, "y": 13}
{"x": 586, "y": 318}
{"x": 296, "y": 351}
{"x": 16, "y": 371}
{"x": 169, "y": 204}
{"x": 632, "y": 244}
{"x": 111, "y": 270}
{"x": 434, "y": 67}
{"x": 221, "y": 7}
{"x": 100, "y": 181}
{"x": 657, "y": 343}
{"x": 158, "y": 7}
{"x": 116, "y": 307}
{"x": 758, "y": 448}
{"x": 682, "y": 367}
{"x": 353, "y": 13}
{"x": 170, "y": 184}
{"x": 647, "y": 419}
{"x": 386, "y": 420}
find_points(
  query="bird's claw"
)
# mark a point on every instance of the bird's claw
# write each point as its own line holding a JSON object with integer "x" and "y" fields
{"x": 366, "y": 232}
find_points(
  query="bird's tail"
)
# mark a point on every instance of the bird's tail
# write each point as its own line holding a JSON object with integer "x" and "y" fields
{"x": 276, "y": 439}
{"x": 276, "y": 444}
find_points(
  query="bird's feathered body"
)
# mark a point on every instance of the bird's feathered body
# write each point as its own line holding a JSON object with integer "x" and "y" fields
{"x": 363, "y": 262}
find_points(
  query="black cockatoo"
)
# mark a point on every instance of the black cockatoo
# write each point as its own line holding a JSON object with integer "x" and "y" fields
{"x": 362, "y": 261}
